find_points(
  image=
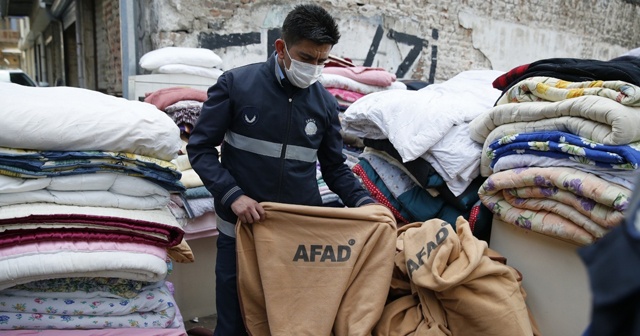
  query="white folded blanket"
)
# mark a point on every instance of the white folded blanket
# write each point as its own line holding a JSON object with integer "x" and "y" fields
{"x": 104, "y": 189}
{"x": 414, "y": 121}
{"x": 67, "y": 119}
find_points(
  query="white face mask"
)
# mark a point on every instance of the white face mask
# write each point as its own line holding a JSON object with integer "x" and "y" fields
{"x": 302, "y": 74}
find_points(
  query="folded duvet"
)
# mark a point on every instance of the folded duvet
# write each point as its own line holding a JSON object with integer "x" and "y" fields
{"x": 112, "y": 286}
{"x": 562, "y": 202}
{"x": 562, "y": 145}
{"x": 67, "y": 118}
{"x": 414, "y": 121}
{"x": 40, "y": 261}
{"x": 28, "y": 223}
{"x": 597, "y": 118}
{"x": 625, "y": 178}
{"x": 553, "y": 89}
{"x": 100, "y": 332}
{"x": 38, "y": 164}
{"x": 104, "y": 189}
{"x": 154, "y": 307}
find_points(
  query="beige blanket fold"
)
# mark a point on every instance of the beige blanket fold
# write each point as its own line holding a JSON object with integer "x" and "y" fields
{"x": 407, "y": 316}
{"x": 410, "y": 310}
{"x": 315, "y": 270}
{"x": 181, "y": 253}
{"x": 480, "y": 296}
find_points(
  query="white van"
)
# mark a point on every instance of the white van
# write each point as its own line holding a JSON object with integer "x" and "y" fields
{"x": 16, "y": 76}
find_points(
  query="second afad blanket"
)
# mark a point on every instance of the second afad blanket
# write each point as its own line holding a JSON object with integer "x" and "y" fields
{"x": 315, "y": 270}
{"x": 446, "y": 282}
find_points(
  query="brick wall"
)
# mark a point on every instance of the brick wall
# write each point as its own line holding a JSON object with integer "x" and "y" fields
{"x": 430, "y": 40}
{"x": 108, "y": 55}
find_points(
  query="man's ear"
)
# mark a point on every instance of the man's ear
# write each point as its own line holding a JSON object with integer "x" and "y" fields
{"x": 279, "y": 44}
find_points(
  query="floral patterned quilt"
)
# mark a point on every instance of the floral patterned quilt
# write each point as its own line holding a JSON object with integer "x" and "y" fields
{"x": 562, "y": 202}
{"x": 563, "y": 145}
{"x": 27, "y": 163}
{"x": 154, "y": 307}
{"x": 553, "y": 89}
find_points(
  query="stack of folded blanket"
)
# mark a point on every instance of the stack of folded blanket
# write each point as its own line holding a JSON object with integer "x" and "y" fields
{"x": 561, "y": 146}
{"x": 183, "y": 60}
{"x": 86, "y": 238}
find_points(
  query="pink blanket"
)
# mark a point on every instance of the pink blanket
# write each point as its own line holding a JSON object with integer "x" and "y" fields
{"x": 165, "y": 97}
{"x": 79, "y": 246}
{"x": 346, "y": 95}
{"x": 365, "y": 75}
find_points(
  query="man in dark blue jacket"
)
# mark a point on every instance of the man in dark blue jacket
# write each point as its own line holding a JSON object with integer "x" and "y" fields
{"x": 273, "y": 122}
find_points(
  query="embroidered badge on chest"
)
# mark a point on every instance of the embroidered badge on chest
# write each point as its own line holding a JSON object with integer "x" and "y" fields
{"x": 250, "y": 116}
{"x": 311, "y": 128}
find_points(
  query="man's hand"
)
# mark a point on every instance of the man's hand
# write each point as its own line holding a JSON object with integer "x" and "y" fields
{"x": 247, "y": 209}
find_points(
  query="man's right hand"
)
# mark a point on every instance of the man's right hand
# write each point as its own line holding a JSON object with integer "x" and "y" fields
{"x": 247, "y": 209}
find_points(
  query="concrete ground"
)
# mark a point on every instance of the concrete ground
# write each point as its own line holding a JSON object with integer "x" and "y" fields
{"x": 206, "y": 322}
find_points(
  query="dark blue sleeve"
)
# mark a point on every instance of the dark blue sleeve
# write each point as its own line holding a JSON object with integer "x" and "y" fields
{"x": 339, "y": 178}
{"x": 208, "y": 132}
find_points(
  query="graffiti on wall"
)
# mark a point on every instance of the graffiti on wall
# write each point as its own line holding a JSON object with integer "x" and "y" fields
{"x": 417, "y": 44}
{"x": 403, "y": 66}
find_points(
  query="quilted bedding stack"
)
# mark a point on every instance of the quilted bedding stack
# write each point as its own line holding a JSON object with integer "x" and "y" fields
{"x": 561, "y": 146}
{"x": 85, "y": 231}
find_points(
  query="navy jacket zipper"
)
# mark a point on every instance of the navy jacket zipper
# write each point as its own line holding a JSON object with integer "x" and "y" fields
{"x": 284, "y": 147}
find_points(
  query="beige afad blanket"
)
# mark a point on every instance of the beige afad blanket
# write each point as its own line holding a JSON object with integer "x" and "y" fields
{"x": 447, "y": 282}
{"x": 315, "y": 270}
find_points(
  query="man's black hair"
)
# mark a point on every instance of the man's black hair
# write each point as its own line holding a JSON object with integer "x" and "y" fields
{"x": 310, "y": 22}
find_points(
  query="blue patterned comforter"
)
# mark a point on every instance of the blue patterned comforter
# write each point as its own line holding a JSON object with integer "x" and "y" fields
{"x": 564, "y": 145}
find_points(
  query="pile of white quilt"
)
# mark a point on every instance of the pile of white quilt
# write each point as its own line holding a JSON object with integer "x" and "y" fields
{"x": 85, "y": 231}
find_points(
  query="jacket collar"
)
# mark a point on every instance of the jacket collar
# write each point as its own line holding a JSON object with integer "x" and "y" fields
{"x": 276, "y": 72}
